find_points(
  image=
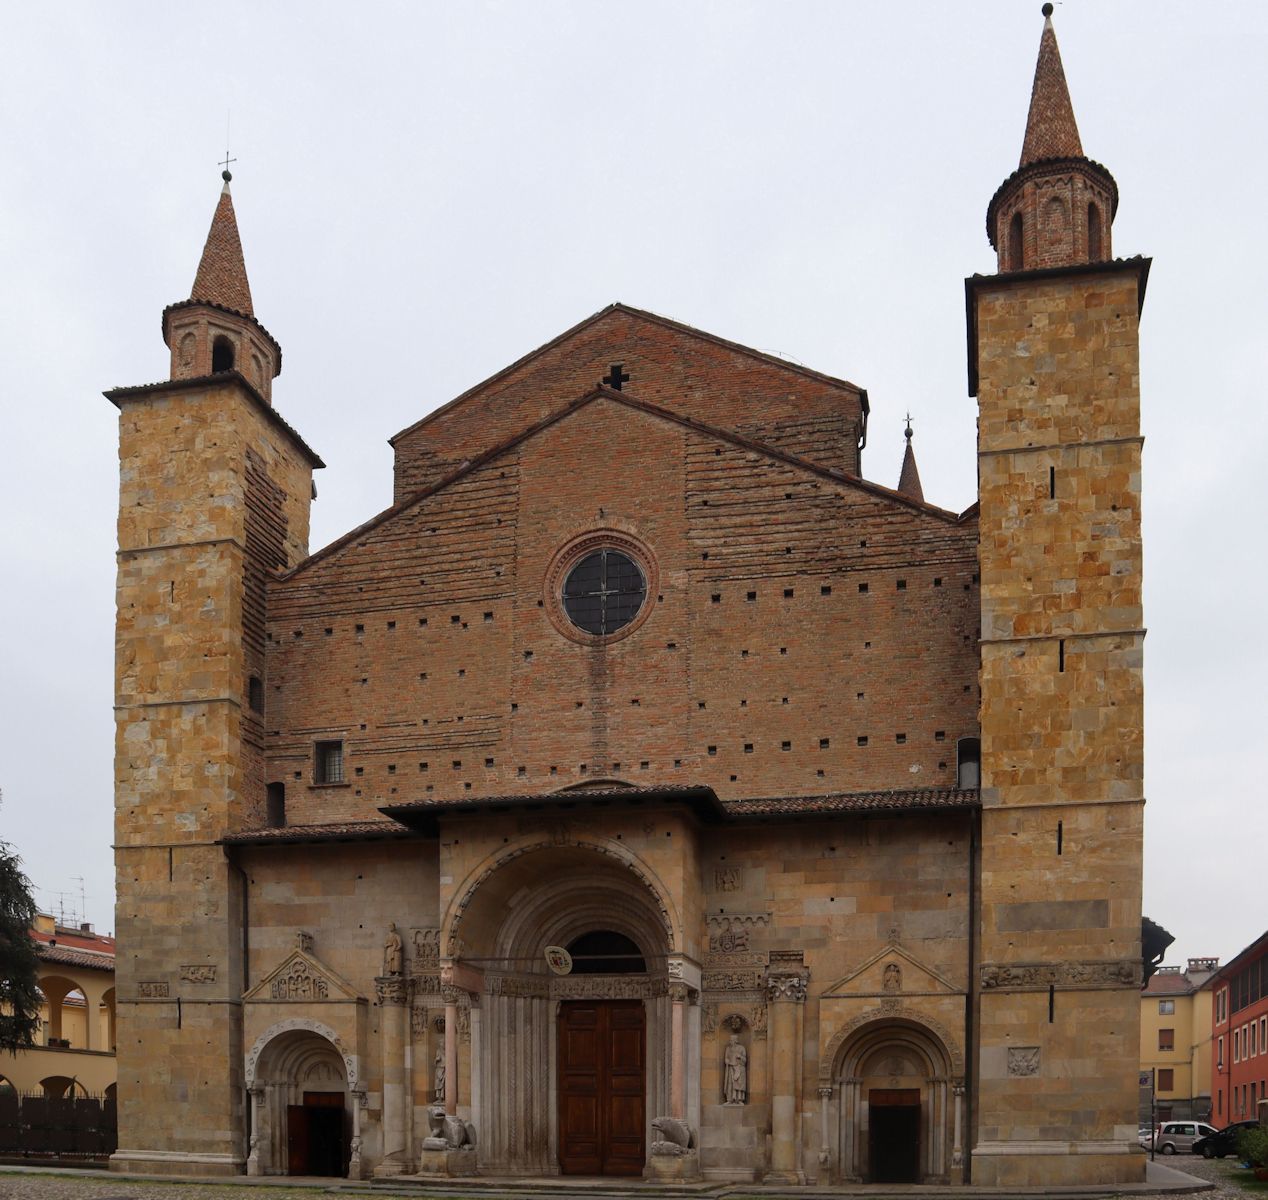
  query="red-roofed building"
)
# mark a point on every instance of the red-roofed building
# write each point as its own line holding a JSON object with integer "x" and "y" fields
{"x": 1239, "y": 1030}
{"x": 1175, "y": 1042}
{"x": 75, "y": 1048}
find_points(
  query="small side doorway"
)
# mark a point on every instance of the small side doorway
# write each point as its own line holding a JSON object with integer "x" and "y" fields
{"x": 316, "y": 1139}
{"x": 602, "y": 1087}
{"x": 894, "y": 1135}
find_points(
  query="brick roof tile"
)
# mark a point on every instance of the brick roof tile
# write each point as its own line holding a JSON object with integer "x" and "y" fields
{"x": 222, "y": 272}
{"x": 1051, "y": 131}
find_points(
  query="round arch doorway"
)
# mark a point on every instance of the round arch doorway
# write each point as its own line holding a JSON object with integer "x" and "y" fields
{"x": 894, "y": 1080}
{"x": 545, "y": 1039}
{"x": 302, "y": 1122}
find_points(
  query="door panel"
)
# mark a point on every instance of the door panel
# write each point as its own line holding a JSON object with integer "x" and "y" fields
{"x": 602, "y": 1087}
{"x": 296, "y": 1140}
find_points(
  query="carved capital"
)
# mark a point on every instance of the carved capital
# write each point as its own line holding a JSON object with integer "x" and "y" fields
{"x": 825, "y": 1093}
{"x": 786, "y": 988}
{"x": 678, "y": 993}
{"x": 391, "y": 989}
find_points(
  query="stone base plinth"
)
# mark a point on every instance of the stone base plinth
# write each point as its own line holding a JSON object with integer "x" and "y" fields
{"x": 664, "y": 1167}
{"x": 167, "y": 1162}
{"x": 391, "y": 1168}
{"x": 446, "y": 1162}
{"x": 1068, "y": 1164}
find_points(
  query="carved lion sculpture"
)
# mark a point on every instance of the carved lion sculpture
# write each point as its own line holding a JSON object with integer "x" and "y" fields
{"x": 671, "y": 1136}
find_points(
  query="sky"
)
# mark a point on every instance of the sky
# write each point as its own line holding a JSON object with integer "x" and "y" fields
{"x": 427, "y": 191}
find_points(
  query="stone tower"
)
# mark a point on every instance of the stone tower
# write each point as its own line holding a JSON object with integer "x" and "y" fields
{"x": 214, "y": 494}
{"x": 1053, "y": 342}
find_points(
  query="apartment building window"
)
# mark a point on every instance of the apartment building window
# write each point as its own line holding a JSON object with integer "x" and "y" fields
{"x": 1166, "y": 1079}
{"x": 1166, "y": 1039}
{"x": 1219, "y": 1053}
{"x": 1237, "y": 1046}
{"x": 1221, "y": 1004}
{"x": 1166, "y": 1008}
{"x": 1254, "y": 1041}
{"x": 328, "y": 762}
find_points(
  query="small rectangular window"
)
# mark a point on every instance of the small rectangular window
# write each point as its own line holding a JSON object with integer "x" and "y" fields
{"x": 1166, "y": 1079}
{"x": 275, "y": 804}
{"x": 328, "y": 763}
{"x": 1166, "y": 1039}
{"x": 255, "y": 693}
{"x": 1166, "y": 1007}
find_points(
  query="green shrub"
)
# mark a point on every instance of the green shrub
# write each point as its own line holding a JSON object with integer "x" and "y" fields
{"x": 1252, "y": 1145}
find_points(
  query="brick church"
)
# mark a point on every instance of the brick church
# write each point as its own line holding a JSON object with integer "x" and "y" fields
{"x": 724, "y": 815}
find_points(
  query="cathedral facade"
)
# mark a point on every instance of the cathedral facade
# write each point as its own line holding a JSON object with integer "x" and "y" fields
{"x": 645, "y": 792}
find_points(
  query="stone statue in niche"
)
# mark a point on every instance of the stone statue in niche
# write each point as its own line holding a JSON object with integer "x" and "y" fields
{"x": 893, "y": 979}
{"x": 438, "y": 1074}
{"x": 735, "y": 1072}
{"x": 393, "y": 952}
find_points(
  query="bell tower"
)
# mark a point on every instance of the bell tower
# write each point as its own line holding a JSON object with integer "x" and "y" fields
{"x": 1054, "y": 364}
{"x": 214, "y": 494}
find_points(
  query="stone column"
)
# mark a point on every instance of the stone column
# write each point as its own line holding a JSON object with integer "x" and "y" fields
{"x": 825, "y": 1146}
{"x": 354, "y": 1150}
{"x": 677, "y": 1051}
{"x": 450, "y": 994}
{"x": 255, "y": 1096}
{"x": 393, "y": 996}
{"x": 786, "y": 991}
{"x": 850, "y": 1119}
{"x": 957, "y": 1147}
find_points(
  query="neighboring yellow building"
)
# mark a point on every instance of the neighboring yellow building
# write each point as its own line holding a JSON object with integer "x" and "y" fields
{"x": 1175, "y": 1041}
{"x": 76, "y": 1043}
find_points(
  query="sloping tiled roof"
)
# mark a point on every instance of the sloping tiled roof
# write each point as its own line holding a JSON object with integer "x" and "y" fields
{"x": 68, "y": 950}
{"x": 345, "y": 831}
{"x": 1051, "y": 131}
{"x": 914, "y": 800}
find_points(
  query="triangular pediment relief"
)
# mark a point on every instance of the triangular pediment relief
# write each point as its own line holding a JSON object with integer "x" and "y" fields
{"x": 893, "y": 971}
{"x": 301, "y": 976}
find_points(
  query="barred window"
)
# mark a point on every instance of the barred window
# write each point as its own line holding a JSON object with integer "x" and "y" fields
{"x": 328, "y": 765}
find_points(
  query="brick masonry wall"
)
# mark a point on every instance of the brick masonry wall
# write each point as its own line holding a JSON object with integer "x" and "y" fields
{"x": 804, "y": 635}
{"x": 669, "y": 365}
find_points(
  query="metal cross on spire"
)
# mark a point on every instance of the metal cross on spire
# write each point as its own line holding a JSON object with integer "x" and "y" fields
{"x": 224, "y": 162}
{"x": 907, "y": 434}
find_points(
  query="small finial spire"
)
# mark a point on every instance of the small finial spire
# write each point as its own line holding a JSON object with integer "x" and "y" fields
{"x": 909, "y": 477}
{"x": 1046, "y": 10}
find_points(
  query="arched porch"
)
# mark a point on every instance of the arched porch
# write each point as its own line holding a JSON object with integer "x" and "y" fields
{"x": 533, "y": 1033}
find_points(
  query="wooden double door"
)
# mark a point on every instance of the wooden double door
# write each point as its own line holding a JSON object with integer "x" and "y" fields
{"x": 602, "y": 1087}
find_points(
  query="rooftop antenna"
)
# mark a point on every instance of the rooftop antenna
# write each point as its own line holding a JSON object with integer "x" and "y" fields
{"x": 225, "y": 174}
{"x": 83, "y": 901}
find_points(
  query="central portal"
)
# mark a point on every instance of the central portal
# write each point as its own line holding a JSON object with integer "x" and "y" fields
{"x": 602, "y": 1087}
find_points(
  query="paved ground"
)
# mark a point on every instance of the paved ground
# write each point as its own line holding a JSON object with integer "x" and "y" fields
{"x": 19, "y": 1184}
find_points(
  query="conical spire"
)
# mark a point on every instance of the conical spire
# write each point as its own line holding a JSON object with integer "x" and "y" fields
{"x": 909, "y": 477}
{"x": 1051, "y": 131}
{"x": 222, "y": 273}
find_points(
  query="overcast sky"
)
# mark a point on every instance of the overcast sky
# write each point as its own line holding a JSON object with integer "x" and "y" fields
{"x": 426, "y": 192}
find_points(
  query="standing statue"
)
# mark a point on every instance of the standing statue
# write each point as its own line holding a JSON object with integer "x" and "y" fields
{"x": 438, "y": 1075}
{"x": 735, "y": 1072}
{"x": 393, "y": 952}
{"x": 893, "y": 981}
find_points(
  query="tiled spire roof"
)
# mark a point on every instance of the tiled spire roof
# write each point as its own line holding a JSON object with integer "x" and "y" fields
{"x": 1051, "y": 131}
{"x": 222, "y": 273}
{"x": 909, "y": 477}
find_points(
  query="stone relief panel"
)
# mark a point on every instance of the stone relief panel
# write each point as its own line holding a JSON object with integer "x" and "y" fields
{"x": 299, "y": 982}
{"x": 1039, "y": 976}
{"x": 1023, "y": 1060}
{"x": 152, "y": 989}
{"x": 199, "y": 972}
{"x": 726, "y": 879}
{"x": 426, "y": 956}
